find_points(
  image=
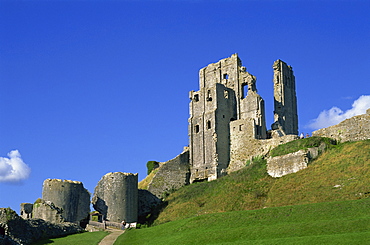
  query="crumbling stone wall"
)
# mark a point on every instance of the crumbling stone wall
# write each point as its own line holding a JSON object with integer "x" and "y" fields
{"x": 69, "y": 195}
{"x": 25, "y": 231}
{"x": 171, "y": 175}
{"x": 116, "y": 197}
{"x": 244, "y": 147}
{"x": 26, "y": 210}
{"x": 352, "y": 129}
{"x": 147, "y": 203}
{"x": 47, "y": 211}
{"x": 293, "y": 162}
{"x": 287, "y": 164}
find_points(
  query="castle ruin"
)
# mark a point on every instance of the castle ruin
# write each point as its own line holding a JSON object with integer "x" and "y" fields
{"x": 116, "y": 197}
{"x": 227, "y": 106}
{"x": 70, "y": 196}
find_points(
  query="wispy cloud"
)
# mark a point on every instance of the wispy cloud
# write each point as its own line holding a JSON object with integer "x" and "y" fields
{"x": 335, "y": 115}
{"x": 13, "y": 169}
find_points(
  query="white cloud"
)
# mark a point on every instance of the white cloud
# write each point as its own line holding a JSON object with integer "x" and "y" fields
{"x": 335, "y": 115}
{"x": 12, "y": 168}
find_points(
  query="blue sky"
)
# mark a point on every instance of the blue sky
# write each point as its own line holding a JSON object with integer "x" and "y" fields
{"x": 91, "y": 87}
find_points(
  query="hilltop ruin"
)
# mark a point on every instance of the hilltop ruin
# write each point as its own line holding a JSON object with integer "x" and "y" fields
{"x": 227, "y": 124}
{"x": 226, "y": 129}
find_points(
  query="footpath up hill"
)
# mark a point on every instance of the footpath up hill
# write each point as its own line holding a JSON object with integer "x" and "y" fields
{"x": 340, "y": 173}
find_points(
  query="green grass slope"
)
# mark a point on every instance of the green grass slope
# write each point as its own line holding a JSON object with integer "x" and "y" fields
{"x": 340, "y": 173}
{"x": 85, "y": 238}
{"x": 341, "y": 222}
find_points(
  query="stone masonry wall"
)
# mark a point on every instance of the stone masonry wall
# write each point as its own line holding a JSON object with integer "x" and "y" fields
{"x": 20, "y": 231}
{"x": 352, "y": 129}
{"x": 287, "y": 164}
{"x": 116, "y": 197}
{"x": 26, "y": 210}
{"x": 48, "y": 212}
{"x": 69, "y": 195}
{"x": 293, "y": 162}
{"x": 171, "y": 175}
{"x": 243, "y": 146}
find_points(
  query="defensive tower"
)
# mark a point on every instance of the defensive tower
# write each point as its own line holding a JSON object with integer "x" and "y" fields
{"x": 285, "y": 100}
{"x": 116, "y": 197}
{"x": 227, "y": 93}
{"x": 69, "y": 195}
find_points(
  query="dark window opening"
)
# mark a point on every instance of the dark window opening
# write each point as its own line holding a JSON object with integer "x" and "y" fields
{"x": 209, "y": 97}
{"x": 196, "y": 128}
{"x": 223, "y": 116}
{"x": 226, "y": 76}
{"x": 241, "y": 127}
{"x": 208, "y": 124}
{"x": 2, "y": 231}
{"x": 196, "y": 97}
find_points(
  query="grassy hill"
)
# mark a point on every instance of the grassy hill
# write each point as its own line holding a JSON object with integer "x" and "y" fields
{"x": 330, "y": 198}
{"x": 340, "y": 173}
{"x": 341, "y": 222}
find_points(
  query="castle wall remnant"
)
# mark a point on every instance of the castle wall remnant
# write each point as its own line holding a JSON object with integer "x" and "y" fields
{"x": 171, "y": 175}
{"x": 69, "y": 195}
{"x": 26, "y": 210}
{"x": 47, "y": 211}
{"x": 227, "y": 117}
{"x": 285, "y": 100}
{"x": 15, "y": 230}
{"x": 244, "y": 148}
{"x": 147, "y": 203}
{"x": 293, "y": 162}
{"x": 116, "y": 197}
{"x": 287, "y": 164}
{"x": 352, "y": 129}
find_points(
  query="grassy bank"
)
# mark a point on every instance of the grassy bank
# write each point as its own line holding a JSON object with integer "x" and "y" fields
{"x": 340, "y": 173}
{"x": 341, "y": 222}
{"x": 86, "y": 238}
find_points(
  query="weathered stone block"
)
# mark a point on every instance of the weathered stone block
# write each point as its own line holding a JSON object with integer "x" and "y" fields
{"x": 287, "y": 164}
{"x": 293, "y": 162}
{"x": 47, "y": 211}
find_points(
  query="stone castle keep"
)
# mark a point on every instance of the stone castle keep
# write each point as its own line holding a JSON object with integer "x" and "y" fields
{"x": 228, "y": 107}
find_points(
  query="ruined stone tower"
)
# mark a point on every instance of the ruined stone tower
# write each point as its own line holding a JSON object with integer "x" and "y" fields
{"x": 116, "y": 197}
{"x": 227, "y": 117}
{"x": 69, "y": 195}
{"x": 285, "y": 101}
{"x": 220, "y": 100}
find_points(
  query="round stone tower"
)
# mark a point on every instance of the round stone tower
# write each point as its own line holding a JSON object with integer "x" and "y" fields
{"x": 116, "y": 197}
{"x": 69, "y": 195}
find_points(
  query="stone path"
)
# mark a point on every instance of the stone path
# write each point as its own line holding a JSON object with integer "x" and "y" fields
{"x": 112, "y": 237}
